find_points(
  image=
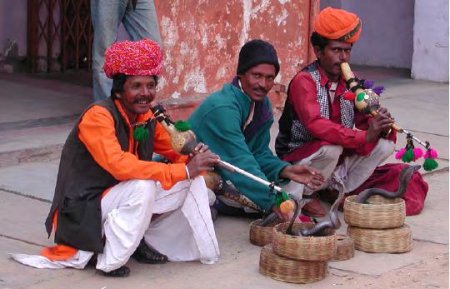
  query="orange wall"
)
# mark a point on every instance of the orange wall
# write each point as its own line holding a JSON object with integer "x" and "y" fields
{"x": 202, "y": 39}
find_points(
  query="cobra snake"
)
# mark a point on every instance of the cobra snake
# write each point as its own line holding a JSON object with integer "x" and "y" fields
{"x": 333, "y": 220}
{"x": 404, "y": 178}
{"x": 298, "y": 206}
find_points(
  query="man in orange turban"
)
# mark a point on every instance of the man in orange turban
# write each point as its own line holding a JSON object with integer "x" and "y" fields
{"x": 108, "y": 187}
{"x": 317, "y": 127}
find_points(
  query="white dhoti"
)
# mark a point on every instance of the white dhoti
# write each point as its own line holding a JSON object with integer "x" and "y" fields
{"x": 347, "y": 176}
{"x": 184, "y": 230}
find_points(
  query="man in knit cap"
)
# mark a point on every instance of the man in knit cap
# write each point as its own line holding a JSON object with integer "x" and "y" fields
{"x": 235, "y": 123}
{"x": 317, "y": 127}
{"x": 109, "y": 191}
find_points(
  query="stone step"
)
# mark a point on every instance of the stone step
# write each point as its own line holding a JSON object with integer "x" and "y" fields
{"x": 42, "y": 143}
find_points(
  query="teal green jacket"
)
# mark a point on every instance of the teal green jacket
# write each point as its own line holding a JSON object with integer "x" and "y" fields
{"x": 218, "y": 122}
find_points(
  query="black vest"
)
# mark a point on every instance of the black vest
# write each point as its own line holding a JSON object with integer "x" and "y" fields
{"x": 292, "y": 132}
{"x": 80, "y": 183}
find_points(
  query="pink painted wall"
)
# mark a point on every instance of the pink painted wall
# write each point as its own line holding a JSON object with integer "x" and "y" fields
{"x": 202, "y": 39}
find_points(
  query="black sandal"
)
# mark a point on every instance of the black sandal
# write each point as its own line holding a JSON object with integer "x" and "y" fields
{"x": 123, "y": 271}
{"x": 148, "y": 255}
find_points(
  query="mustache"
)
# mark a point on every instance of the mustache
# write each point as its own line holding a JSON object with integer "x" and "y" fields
{"x": 260, "y": 89}
{"x": 137, "y": 100}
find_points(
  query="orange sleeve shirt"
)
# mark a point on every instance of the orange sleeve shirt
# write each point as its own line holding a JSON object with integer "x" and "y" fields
{"x": 96, "y": 131}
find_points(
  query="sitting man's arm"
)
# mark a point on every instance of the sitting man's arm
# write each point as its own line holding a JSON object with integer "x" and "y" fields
{"x": 376, "y": 127}
{"x": 96, "y": 131}
{"x": 271, "y": 164}
{"x": 220, "y": 130}
{"x": 304, "y": 175}
{"x": 303, "y": 96}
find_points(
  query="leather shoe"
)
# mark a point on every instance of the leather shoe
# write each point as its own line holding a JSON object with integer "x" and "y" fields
{"x": 123, "y": 271}
{"x": 314, "y": 209}
{"x": 148, "y": 255}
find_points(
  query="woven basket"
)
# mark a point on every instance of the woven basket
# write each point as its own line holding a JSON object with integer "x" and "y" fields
{"x": 321, "y": 248}
{"x": 397, "y": 240}
{"x": 345, "y": 248}
{"x": 379, "y": 213}
{"x": 261, "y": 236}
{"x": 288, "y": 270}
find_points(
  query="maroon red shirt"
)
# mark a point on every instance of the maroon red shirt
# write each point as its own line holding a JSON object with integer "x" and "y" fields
{"x": 303, "y": 97}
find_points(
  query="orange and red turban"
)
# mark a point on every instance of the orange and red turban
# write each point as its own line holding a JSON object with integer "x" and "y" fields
{"x": 143, "y": 57}
{"x": 338, "y": 24}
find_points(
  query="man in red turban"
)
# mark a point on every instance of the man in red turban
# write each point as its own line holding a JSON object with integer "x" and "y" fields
{"x": 321, "y": 128}
{"x": 108, "y": 188}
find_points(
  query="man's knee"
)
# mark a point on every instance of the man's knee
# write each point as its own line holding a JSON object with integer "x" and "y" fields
{"x": 384, "y": 147}
{"x": 144, "y": 190}
{"x": 330, "y": 152}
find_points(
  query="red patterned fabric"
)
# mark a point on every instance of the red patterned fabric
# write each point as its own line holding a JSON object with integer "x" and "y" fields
{"x": 143, "y": 57}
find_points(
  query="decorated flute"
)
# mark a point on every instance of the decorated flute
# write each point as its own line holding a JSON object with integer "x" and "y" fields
{"x": 367, "y": 101}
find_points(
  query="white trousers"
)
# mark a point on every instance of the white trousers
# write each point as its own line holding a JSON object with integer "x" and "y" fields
{"x": 183, "y": 232}
{"x": 347, "y": 176}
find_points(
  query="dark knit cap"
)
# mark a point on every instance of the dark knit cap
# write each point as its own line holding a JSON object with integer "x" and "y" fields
{"x": 256, "y": 52}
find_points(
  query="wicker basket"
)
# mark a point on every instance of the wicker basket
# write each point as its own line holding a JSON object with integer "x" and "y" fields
{"x": 288, "y": 270}
{"x": 321, "y": 248}
{"x": 261, "y": 236}
{"x": 397, "y": 240}
{"x": 379, "y": 213}
{"x": 345, "y": 248}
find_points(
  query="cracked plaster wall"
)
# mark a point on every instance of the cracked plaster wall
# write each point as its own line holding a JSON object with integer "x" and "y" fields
{"x": 202, "y": 39}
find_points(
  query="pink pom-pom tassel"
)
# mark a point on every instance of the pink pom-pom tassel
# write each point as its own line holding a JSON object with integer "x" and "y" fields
{"x": 400, "y": 153}
{"x": 418, "y": 153}
{"x": 431, "y": 153}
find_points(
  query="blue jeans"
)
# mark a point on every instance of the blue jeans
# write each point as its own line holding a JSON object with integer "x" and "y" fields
{"x": 107, "y": 15}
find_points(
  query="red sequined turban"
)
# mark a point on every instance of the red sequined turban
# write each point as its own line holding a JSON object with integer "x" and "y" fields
{"x": 143, "y": 57}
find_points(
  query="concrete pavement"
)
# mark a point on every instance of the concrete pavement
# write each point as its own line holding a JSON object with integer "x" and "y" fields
{"x": 37, "y": 115}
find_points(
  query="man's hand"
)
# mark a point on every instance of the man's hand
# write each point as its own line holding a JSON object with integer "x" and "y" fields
{"x": 201, "y": 160}
{"x": 199, "y": 148}
{"x": 380, "y": 123}
{"x": 304, "y": 175}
